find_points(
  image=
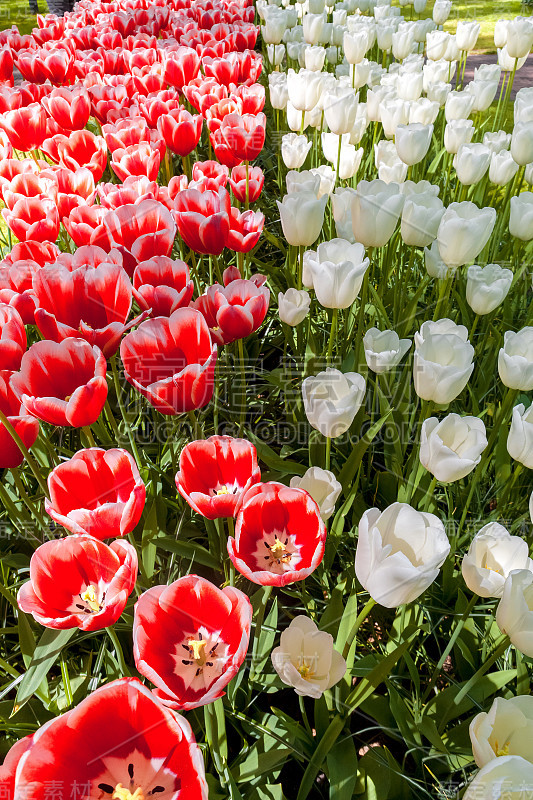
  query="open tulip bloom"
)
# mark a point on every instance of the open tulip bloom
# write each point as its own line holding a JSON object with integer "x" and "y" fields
{"x": 266, "y": 424}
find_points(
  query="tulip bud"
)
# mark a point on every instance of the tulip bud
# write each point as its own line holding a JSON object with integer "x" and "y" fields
{"x": 294, "y": 150}
{"x": 436, "y": 45}
{"x": 519, "y": 37}
{"x": 515, "y": 360}
{"x": 491, "y": 557}
{"x": 399, "y": 553}
{"x": 326, "y": 177}
{"x": 441, "y": 11}
{"x": 277, "y": 82}
{"x": 459, "y": 105}
{"x": 514, "y": 614}
{"x": 304, "y": 181}
{"x": 323, "y": 487}
{"x": 393, "y": 113}
{"x": 302, "y": 216}
{"x": 384, "y": 349}
{"x": 451, "y": 448}
{"x": 332, "y": 399}
{"x": 521, "y": 217}
{"x": 337, "y": 272}
{"x": 507, "y": 62}
{"x": 487, "y": 287}
{"x": 391, "y": 168}
{"x": 502, "y": 168}
{"x": 412, "y": 142}
{"x": 466, "y": 34}
{"x": 421, "y": 217}
{"x": 456, "y": 133}
{"x": 504, "y": 730}
{"x": 314, "y": 58}
{"x": 500, "y": 32}
{"x": 340, "y": 110}
{"x": 423, "y": 112}
{"x": 355, "y": 46}
{"x": 522, "y": 143}
{"x": 341, "y": 200}
{"x": 471, "y": 163}
{"x": 376, "y": 208}
{"x": 443, "y": 361}
{"x": 464, "y": 231}
{"x": 304, "y": 88}
{"x": 293, "y": 306}
{"x": 523, "y": 105}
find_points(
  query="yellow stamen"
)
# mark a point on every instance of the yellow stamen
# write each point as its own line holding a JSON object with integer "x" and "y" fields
{"x": 279, "y": 551}
{"x": 121, "y": 793}
{"x": 305, "y": 671}
{"x": 91, "y": 599}
{"x": 224, "y": 490}
{"x": 198, "y": 647}
{"x": 502, "y": 751}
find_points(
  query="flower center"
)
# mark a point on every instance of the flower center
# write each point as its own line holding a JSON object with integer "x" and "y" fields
{"x": 501, "y": 751}
{"x": 223, "y": 490}
{"x": 121, "y": 793}
{"x": 279, "y": 551}
{"x": 305, "y": 671}
{"x": 91, "y": 598}
{"x": 197, "y": 650}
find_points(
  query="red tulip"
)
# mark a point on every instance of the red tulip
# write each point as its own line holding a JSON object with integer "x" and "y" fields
{"x": 140, "y": 231}
{"x": 107, "y": 99}
{"x": 6, "y": 149}
{"x": 223, "y": 152}
{"x": 63, "y": 383}
{"x": 148, "y": 79}
{"x": 162, "y": 285}
{"x": 204, "y": 92}
{"x": 28, "y": 184}
{"x": 73, "y": 188}
{"x": 252, "y": 97}
{"x": 33, "y": 218}
{"x": 26, "y": 427}
{"x": 181, "y": 66}
{"x": 216, "y": 113}
{"x": 215, "y": 473}
{"x": 97, "y": 492}
{"x": 6, "y": 65}
{"x": 244, "y": 135}
{"x": 180, "y": 130}
{"x": 12, "y": 167}
{"x": 137, "y": 159}
{"x": 245, "y": 230}
{"x": 92, "y": 304}
{"x": 79, "y": 582}
{"x": 134, "y": 189}
{"x": 237, "y": 181}
{"x": 203, "y": 219}
{"x": 12, "y": 338}
{"x": 30, "y": 67}
{"x": 279, "y": 535}
{"x": 25, "y": 127}
{"x": 154, "y": 106}
{"x": 70, "y": 108}
{"x": 131, "y": 130}
{"x": 40, "y": 252}
{"x": 88, "y": 256}
{"x": 55, "y": 65}
{"x": 120, "y": 740}
{"x": 171, "y": 361}
{"x": 84, "y": 149}
{"x": 190, "y": 639}
{"x": 85, "y": 225}
{"x": 210, "y": 174}
{"x": 234, "y": 311}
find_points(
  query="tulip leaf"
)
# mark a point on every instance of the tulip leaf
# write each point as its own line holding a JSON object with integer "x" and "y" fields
{"x": 342, "y": 768}
{"x": 273, "y": 461}
{"x": 351, "y": 465}
{"x": 45, "y": 654}
{"x": 192, "y": 551}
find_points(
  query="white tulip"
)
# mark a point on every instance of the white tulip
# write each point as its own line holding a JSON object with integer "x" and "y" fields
{"x": 435, "y": 72}
{"x": 304, "y": 181}
{"x": 438, "y": 93}
{"x": 337, "y": 272}
{"x": 340, "y": 110}
{"x": 515, "y": 360}
{"x": 459, "y": 105}
{"x": 520, "y": 439}
{"x": 384, "y": 349}
{"x": 441, "y": 11}
{"x": 376, "y": 208}
{"x": 523, "y": 105}
{"x": 436, "y": 45}
{"x": 412, "y": 142}
{"x": 326, "y": 176}
{"x": 304, "y": 88}
{"x": 471, "y": 163}
{"x": 355, "y": 46}
{"x": 435, "y": 266}
{"x": 521, "y": 219}
{"x": 410, "y": 188}
{"x": 456, "y": 133}
{"x": 493, "y": 554}
{"x": 514, "y": 614}
{"x": 443, "y": 361}
{"x": 323, "y": 487}
{"x": 483, "y": 93}
{"x": 487, "y": 287}
{"x": 306, "y": 659}
{"x": 410, "y": 86}
{"x": 505, "y": 730}
{"x": 313, "y": 27}
{"x": 488, "y": 72}
{"x": 391, "y": 168}
{"x": 451, "y": 448}
{"x": 276, "y": 54}
{"x": 464, "y": 231}
{"x": 314, "y": 58}
{"x": 393, "y": 113}
{"x": 497, "y": 141}
{"x": 302, "y": 216}
{"x": 424, "y": 112}
{"x": 502, "y": 168}
{"x": 341, "y": 200}
{"x": 519, "y": 37}
{"x": 332, "y": 399}
{"x": 421, "y": 218}
{"x": 501, "y": 779}
{"x": 522, "y": 143}
{"x": 399, "y": 553}
{"x": 466, "y": 34}
{"x": 500, "y": 32}
{"x": 294, "y": 150}
{"x": 293, "y": 306}
{"x": 507, "y": 62}
{"x": 277, "y": 83}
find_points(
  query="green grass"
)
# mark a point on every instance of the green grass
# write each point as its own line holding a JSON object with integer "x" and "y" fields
{"x": 487, "y": 13}
{"x": 17, "y": 12}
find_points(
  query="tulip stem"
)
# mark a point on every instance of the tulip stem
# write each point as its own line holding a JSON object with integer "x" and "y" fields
{"x": 267, "y": 591}
{"x": 116, "y": 382}
{"x": 363, "y": 614}
{"x": 328, "y": 452}
{"x": 86, "y": 433}
{"x": 242, "y": 402}
{"x": 28, "y": 502}
{"x": 430, "y": 493}
{"x": 332, "y": 333}
{"x": 247, "y": 197}
{"x": 195, "y": 426}
{"x": 25, "y": 452}
{"x": 301, "y": 266}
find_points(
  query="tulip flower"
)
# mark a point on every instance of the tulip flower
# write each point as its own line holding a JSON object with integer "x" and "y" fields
{"x": 491, "y": 557}
{"x": 97, "y": 492}
{"x": 393, "y": 112}
{"x": 421, "y": 218}
{"x": 515, "y": 359}
{"x": 456, "y": 133}
{"x": 244, "y": 135}
{"x": 234, "y": 311}
{"x": 137, "y": 159}
{"x": 341, "y": 200}
{"x": 399, "y": 553}
{"x": 162, "y": 285}
{"x": 376, "y": 208}
{"x": 514, "y": 614}
{"x": 215, "y": 473}
{"x": 26, "y": 426}
{"x": 505, "y": 730}
{"x": 483, "y": 92}
{"x": 521, "y": 219}
{"x": 384, "y": 349}
{"x": 140, "y": 231}
{"x": 340, "y": 109}
{"x": 293, "y": 306}
{"x": 180, "y": 130}
{"x": 464, "y": 231}
{"x": 303, "y": 88}
{"x": 451, "y": 448}
{"x": 245, "y": 230}
{"x": 332, "y": 399}
{"x": 171, "y": 361}
{"x": 412, "y": 142}
{"x": 443, "y": 361}
{"x": 12, "y": 338}
{"x": 70, "y": 108}
{"x": 157, "y": 750}
{"x": 502, "y": 168}
{"x": 471, "y": 163}
{"x": 279, "y": 535}
{"x": 520, "y": 438}
{"x": 441, "y": 11}
{"x": 62, "y": 383}
{"x": 203, "y": 219}
{"x": 277, "y": 84}
{"x": 181, "y": 66}
{"x": 24, "y": 127}
{"x": 79, "y": 582}
{"x": 487, "y": 287}
{"x": 338, "y": 269}
{"x": 302, "y": 216}
{"x": 33, "y": 218}
{"x": 83, "y": 149}
{"x": 306, "y": 659}
{"x": 323, "y": 487}
{"x": 190, "y": 639}
{"x": 519, "y": 37}
{"x": 501, "y": 779}
{"x": 239, "y": 184}
{"x": 466, "y": 35}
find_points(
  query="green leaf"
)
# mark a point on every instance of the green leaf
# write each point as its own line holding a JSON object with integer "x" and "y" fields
{"x": 273, "y": 461}
{"x": 45, "y": 654}
{"x": 352, "y": 462}
{"x": 192, "y": 551}
{"x": 342, "y": 768}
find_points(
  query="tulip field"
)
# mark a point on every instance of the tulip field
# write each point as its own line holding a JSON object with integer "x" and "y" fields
{"x": 266, "y": 420}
